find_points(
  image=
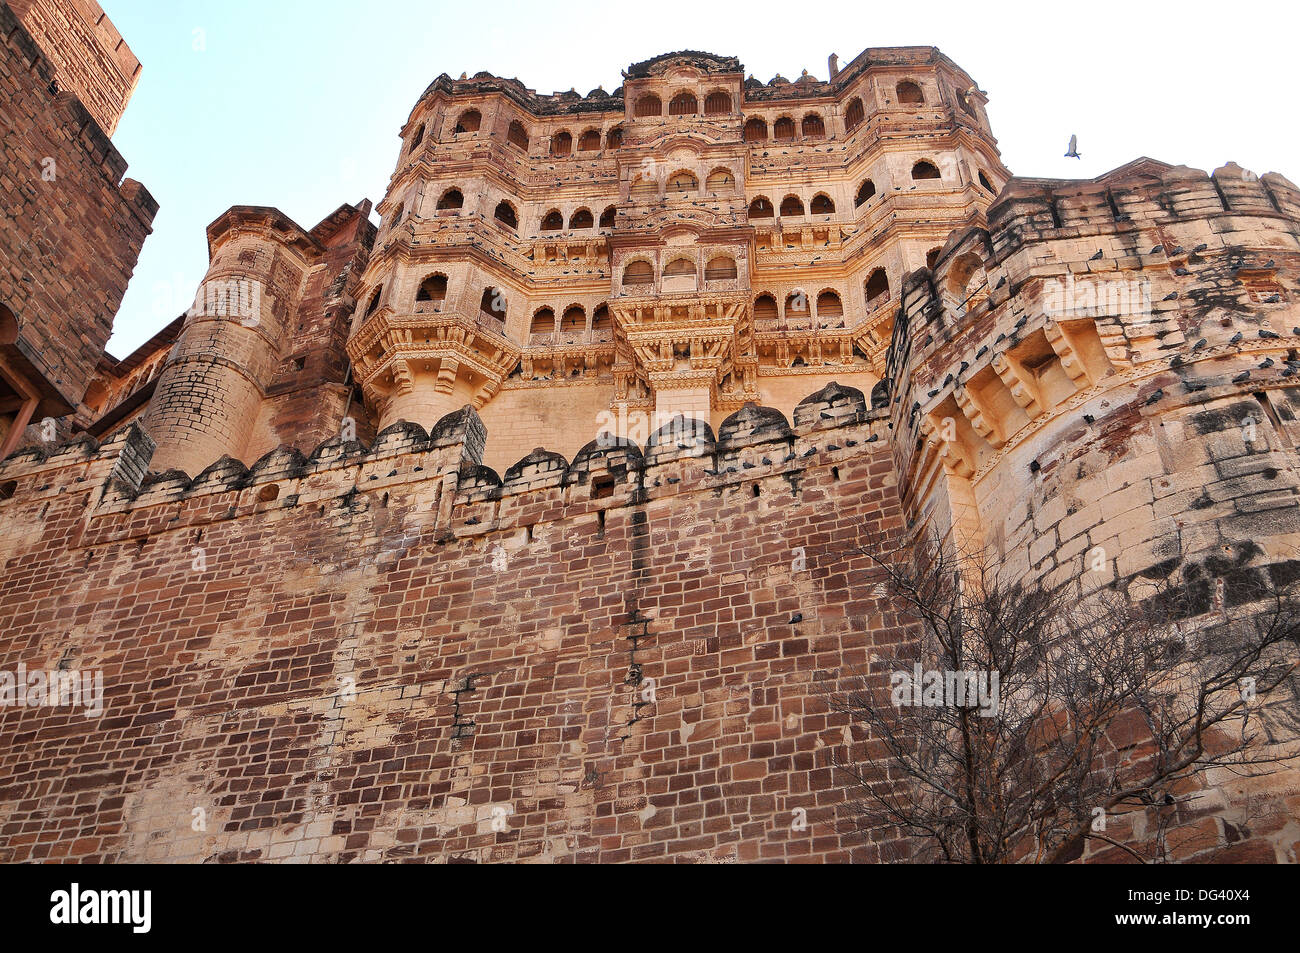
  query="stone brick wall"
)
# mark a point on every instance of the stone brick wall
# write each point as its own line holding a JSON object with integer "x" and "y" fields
{"x": 1090, "y": 436}
{"x": 89, "y": 57}
{"x": 73, "y": 227}
{"x": 395, "y": 653}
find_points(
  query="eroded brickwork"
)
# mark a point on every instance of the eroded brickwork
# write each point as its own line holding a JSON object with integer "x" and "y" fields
{"x": 72, "y": 231}
{"x": 613, "y": 659}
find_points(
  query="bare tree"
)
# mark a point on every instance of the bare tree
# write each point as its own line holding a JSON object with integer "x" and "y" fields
{"x": 1022, "y": 722}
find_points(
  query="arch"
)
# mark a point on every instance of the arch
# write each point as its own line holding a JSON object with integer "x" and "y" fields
{"x": 984, "y": 181}
{"x": 643, "y": 187}
{"x": 680, "y": 268}
{"x": 761, "y": 207}
{"x": 553, "y": 221}
{"x": 450, "y": 200}
{"x": 830, "y": 309}
{"x": 876, "y": 287}
{"x": 865, "y": 191}
{"x": 683, "y": 104}
{"x": 418, "y": 137}
{"x": 783, "y": 129}
{"x": 649, "y": 105}
{"x": 433, "y": 290}
{"x": 574, "y": 318}
{"x": 683, "y": 180}
{"x": 582, "y": 218}
{"x": 543, "y": 322}
{"x": 756, "y": 130}
{"x": 791, "y": 206}
{"x": 909, "y": 93}
{"x": 601, "y": 321}
{"x": 932, "y": 258}
{"x": 589, "y": 141}
{"x": 493, "y": 303}
{"x": 796, "y": 303}
{"x": 517, "y": 135}
{"x": 967, "y": 280}
{"x": 469, "y": 121}
{"x": 396, "y": 218}
{"x": 854, "y": 115}
{"x": 614, "y": 138}
{"x": 813, "y": 127}
{"x": 925, "y": 169}
{"x": 639, "y": 272}
{"x": 717, "y": 103}
{"x": 765, "y": 308}
{"x": 822, "y": 204}
{"x": 561, "y": 144}
{"x": 607, "y": 217}
{"x": 505, "y": 214}
{"x": 374, "y": 301}
{"x": 720, "y": 268}
{"x": 720, "y": 180}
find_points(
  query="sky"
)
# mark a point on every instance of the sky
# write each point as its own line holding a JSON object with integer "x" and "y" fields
{"x": 297, "y": 104}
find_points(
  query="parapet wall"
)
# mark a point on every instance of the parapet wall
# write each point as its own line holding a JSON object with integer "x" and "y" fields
{"x": 395, "y": 652}
{"x": 65, "y": 201}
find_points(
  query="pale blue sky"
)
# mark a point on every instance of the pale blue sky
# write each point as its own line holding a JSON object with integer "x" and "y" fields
{"x": 297, "y": 103}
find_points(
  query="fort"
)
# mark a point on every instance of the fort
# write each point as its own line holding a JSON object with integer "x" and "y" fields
{"x": 523, "y": 525}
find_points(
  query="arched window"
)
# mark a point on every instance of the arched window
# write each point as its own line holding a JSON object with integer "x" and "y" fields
{"x": 967, "y": 281}
{"x": 853, "y": 115}
{"x": 644, "y": 188}
{"x": 505, "y": 214}
{"x": 765, "y": 308}
{"x": 469, "y": 121}
{"x": 925, "y": 170}
{"x": 865, "y": 191}
{"x": 493, "y": 304}
{"x": 783, "y": 129}
{"x": 683, "y": 104}
{"x": 602, "y": 325}
{"x": 796, "y": 305}
{"x": 717, "y": 103}
{"x": 680, "y": 268}
{"x": 932, "y": 258}
{"x": 638, "y": 273}
{"x": 418, "y": 137}
{"x": 830, "y": 311}
{"x": 683, "y": 181}
{"x": 590, "y": 141}
{"x": 649, "y": 105}
{"x": 821, "y": 204}
{"x": 543, "y": 322}
{"x": 614, "y": 138}
{"x": 561, "y": 144}
{"x": 396, "y": 218}
{"x": 374, "y": 301}
{"x": 720, "y": 180}
{"x": 553, "y": 221}
{"x": 451, "y": 200}
{"x": 575, "y": 319}
{"x": 984, "y": 181}
{"x": 876, "y": 287}
{"x": 432, "y": 293}
{"x": 813, "y": 127}
{"x": 760, "y": 208}
{"x": 791, "y": 206}
{"x": 581, "y": 219}
{"x": 607, "y": 217}
{"x": 909, "y": 92}
{"x": 756, "y": 130}
{"x": 720, "y": 268}
{"x": 517, "y": 135}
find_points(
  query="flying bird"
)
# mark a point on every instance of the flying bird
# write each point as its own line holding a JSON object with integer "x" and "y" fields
{"x": 1072, "y": 151}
